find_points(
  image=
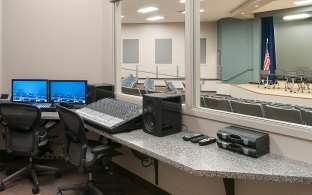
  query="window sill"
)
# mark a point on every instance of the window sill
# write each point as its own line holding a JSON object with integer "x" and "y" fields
{"x": 263, "y": 124}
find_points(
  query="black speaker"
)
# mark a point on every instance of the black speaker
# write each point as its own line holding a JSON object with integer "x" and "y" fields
{"x": 162, "y": 114}
{"x": 99, "y": 91}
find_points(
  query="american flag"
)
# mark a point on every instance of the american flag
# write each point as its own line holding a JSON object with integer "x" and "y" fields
{"x": 267, "y": 62}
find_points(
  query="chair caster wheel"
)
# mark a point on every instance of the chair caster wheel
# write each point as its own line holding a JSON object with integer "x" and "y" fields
{"x": 8, "y": 172}
{"x": 59, "y": 193}
{"x": 58, "y": 174}
{"x": 2, "y": 187}
{"x": 121, "y": 193}
{"x": 35, "y": 190}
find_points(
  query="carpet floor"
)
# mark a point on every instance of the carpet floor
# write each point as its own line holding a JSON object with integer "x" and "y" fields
{"x": 48, "y": 184}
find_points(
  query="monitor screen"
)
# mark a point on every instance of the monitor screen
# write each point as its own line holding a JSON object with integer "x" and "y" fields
{"x": 68, "y": 91}
{"x": 29, "y": 90}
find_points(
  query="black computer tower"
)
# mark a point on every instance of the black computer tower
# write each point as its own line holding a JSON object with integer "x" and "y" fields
{"x": 100, "y": 91}
{"x": 162, "y": 114}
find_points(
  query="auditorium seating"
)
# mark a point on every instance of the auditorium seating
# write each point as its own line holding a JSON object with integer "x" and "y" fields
{"x": 271, "y": 110}
{"x": 129, "y": 81}
{"x": 248, "y": 108}
{"x": 218, "y": 103}
{"x": 284, "y": 113}
{"x": 131, "y": 91}
{"x": 149, "y": 85}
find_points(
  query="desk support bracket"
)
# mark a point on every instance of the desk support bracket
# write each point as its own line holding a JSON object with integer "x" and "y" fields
{"x": 229, "y": 186}
{"x": 156, "y": 171}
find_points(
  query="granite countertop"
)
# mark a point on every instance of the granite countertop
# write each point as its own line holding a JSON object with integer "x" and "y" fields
{"x": 213, "y": 161}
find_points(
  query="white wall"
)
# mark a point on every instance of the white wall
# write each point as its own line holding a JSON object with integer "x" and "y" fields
{"x": 147, "y": 33}
{"x": 59, "y": 39}
{"x": 293, "y": 44}
{"x": 208, "y": 30}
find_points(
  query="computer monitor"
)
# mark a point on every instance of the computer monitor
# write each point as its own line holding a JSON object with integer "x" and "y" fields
{"x": 68, "y": 91}
{"x": 30, "y": 90}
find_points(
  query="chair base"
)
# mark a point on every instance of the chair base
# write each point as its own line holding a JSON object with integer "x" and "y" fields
{"x": 32, "y": 169}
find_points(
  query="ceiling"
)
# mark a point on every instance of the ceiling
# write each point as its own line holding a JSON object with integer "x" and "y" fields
{"x": 214, "y": 10}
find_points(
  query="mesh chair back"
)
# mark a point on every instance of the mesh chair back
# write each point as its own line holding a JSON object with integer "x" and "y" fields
{"x": 308, "y": 76}
{"x": 76, "y": 140}
{"x": 292, "y": 74}
{"x": 253, "y": 109}
{"x": 280, "y": 74}
{"x": 22, "y": 127}
{"x": 283, "y": 113}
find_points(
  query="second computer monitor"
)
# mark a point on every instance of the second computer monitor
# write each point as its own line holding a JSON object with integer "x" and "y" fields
{"x": 68, "y": 91}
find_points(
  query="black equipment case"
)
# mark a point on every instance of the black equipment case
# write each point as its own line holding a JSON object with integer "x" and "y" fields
{"x": 244, "y": 141}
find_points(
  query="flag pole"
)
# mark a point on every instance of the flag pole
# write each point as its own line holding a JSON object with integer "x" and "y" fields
{"x": 266, "y": 50}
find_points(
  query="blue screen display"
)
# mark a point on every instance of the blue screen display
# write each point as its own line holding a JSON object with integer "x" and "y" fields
{"x": 68, "y": 92}
{"x": 30, "y": 91}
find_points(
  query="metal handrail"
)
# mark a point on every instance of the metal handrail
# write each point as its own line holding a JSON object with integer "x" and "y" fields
{"x": 249, "y": 69}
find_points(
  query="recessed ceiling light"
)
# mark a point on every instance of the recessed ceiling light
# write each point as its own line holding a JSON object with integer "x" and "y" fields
{"x": 122, "y": 16}
{"x": 147, "y": 9}
{"x": 302, "y": 2}
{"x": 155, "y": 18}
{"x": 182, "y": 1}
{"x": 183, "y": 12}
{"x": 296, "y": 17}
{"x": 201, "y": 10}
{"x": 243, "y": 13}
{"x": 256, "y": 5}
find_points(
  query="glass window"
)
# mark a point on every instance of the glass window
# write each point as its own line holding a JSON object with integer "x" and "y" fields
{"x": 157, "y": 27}
{"x": 258, "y": 61}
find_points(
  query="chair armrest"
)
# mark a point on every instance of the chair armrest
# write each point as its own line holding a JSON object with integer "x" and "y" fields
{"x": 43, "y": 139}
{"x": 102, "y": 149}
{"x": 49, "y": 125}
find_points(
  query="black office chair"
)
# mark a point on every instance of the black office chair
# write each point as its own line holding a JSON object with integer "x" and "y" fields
{"x": 87, "y": 155}
{"x": 22, "y": 123}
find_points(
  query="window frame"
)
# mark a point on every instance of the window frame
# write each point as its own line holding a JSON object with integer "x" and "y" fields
{"x": 192, "y": 89}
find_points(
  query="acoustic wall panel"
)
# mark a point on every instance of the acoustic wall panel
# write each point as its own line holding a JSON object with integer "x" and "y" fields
{"x": 202, "y": 50}
{"x": 163, "y": 51}
{"x": 131, "y": 51}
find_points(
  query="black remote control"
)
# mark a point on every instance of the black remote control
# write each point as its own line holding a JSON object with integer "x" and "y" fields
{"x": 207, "y": 141}
{"x": 197, "y": 139}
{"x": 191, "y": 136}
